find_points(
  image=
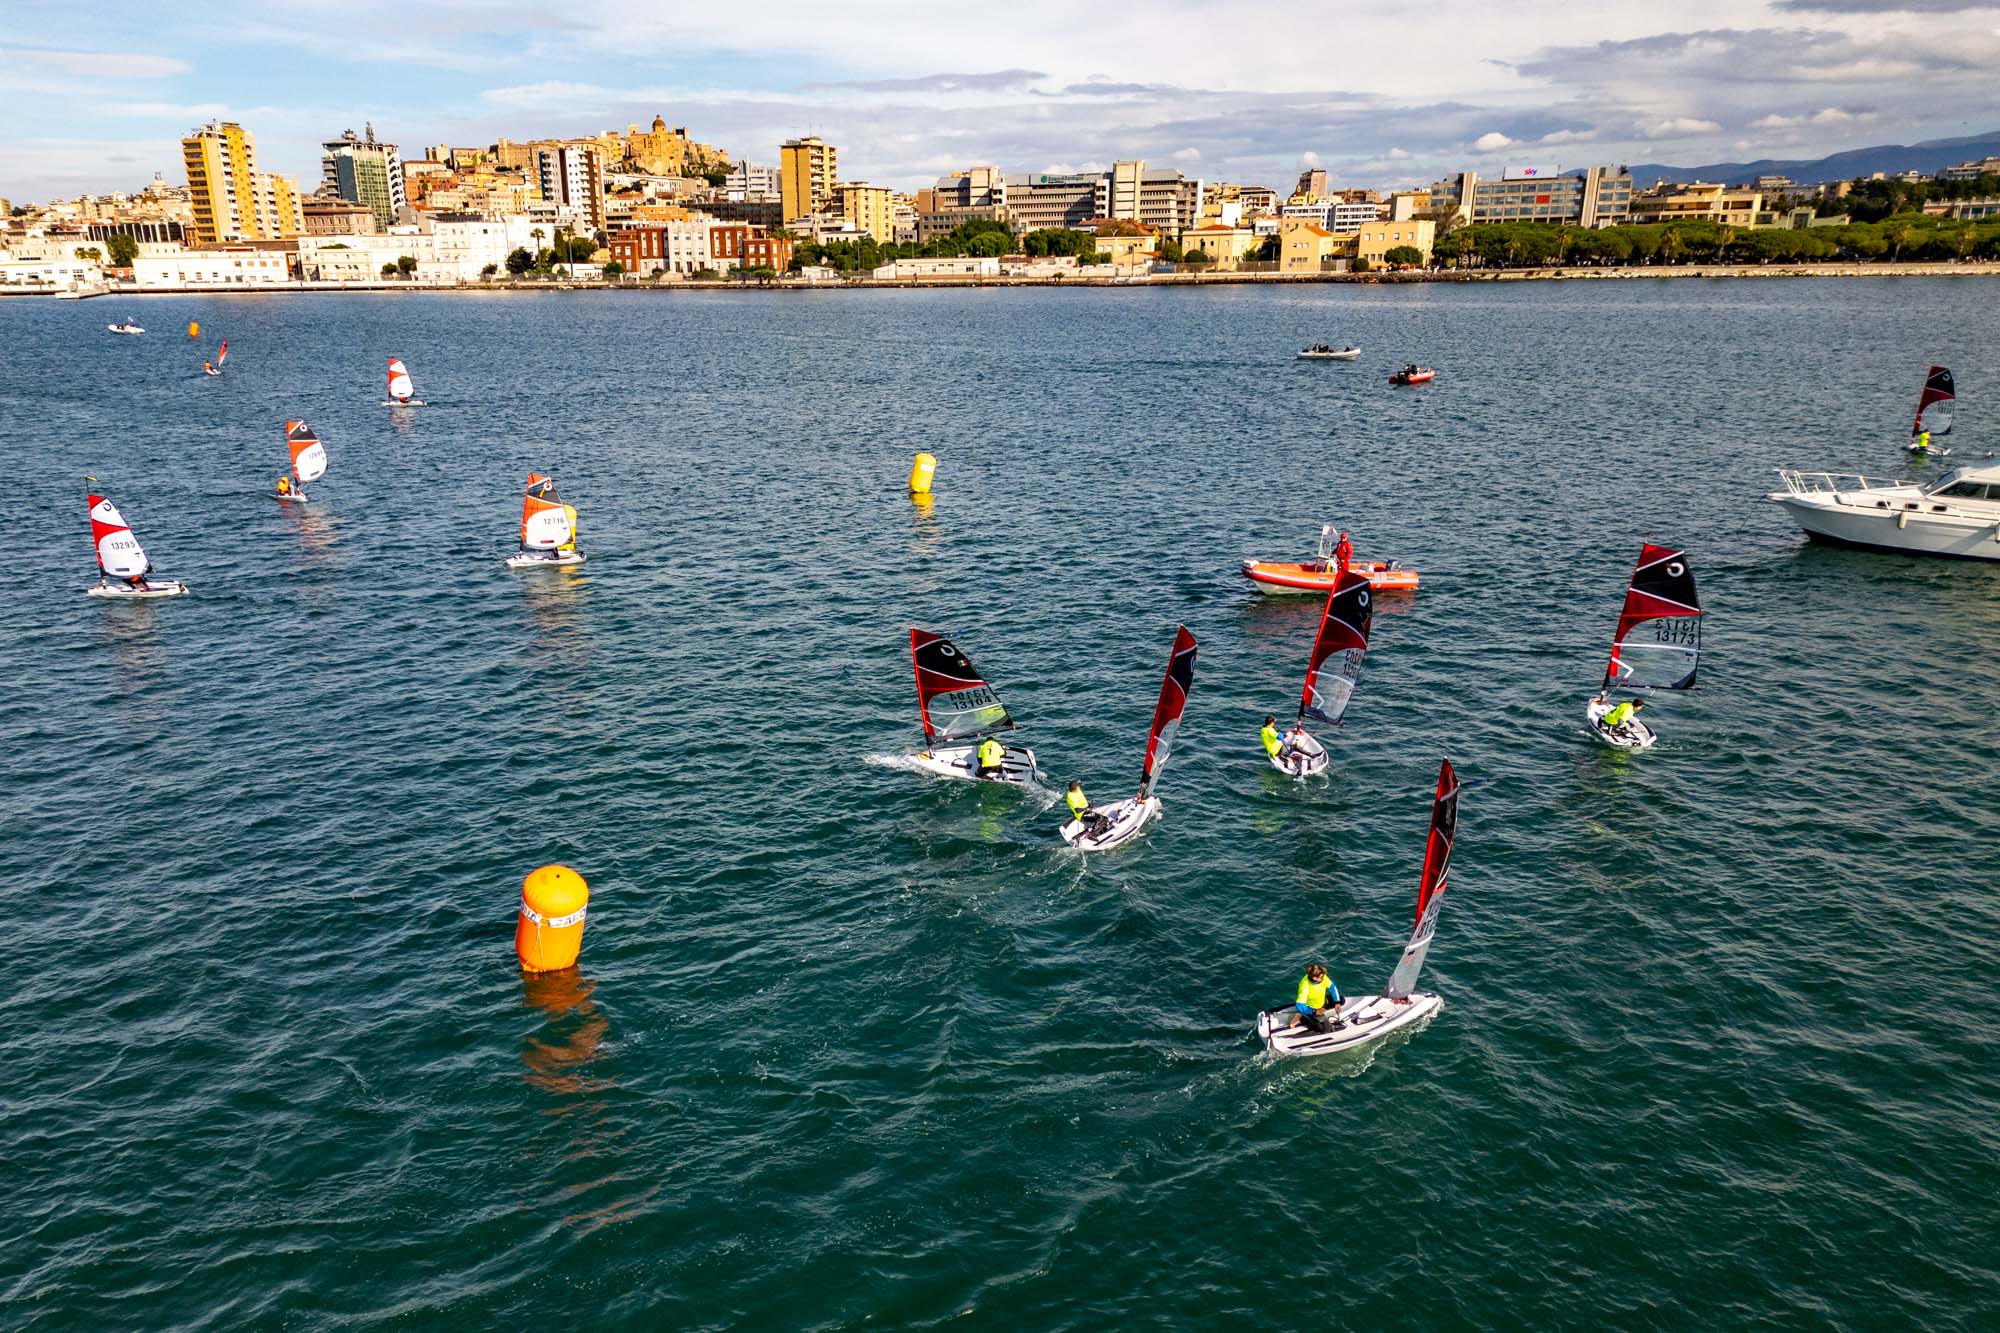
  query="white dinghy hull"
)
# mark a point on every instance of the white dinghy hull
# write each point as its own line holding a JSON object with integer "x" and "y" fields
{"x": 1634, "y": 735}
{"x": 962, "y": 761}
{"x": 164, "y": 588}
{"x": 1127, "y": 818}
{"x": 1361, "y": 1023}
{"x": 544, "y": 559}
{"x": 1301, "y": 757}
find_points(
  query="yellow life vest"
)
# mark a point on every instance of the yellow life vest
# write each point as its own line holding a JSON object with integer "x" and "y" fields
{"x": 1313, "y": 993}
{"x": 1620, "y": 715}
{"x": 991, "y": 752}
{"x": 1269, "y": 735}
{"x": 1078, "y": 803}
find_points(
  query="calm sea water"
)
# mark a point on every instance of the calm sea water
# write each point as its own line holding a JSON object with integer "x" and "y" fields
{"x": 853, "y": 1047}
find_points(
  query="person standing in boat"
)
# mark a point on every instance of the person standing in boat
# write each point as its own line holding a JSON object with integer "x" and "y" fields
{"x": 1318, "y": 1001}
{"x": 1343, "y": 553}
{"x": 991, "y": 755}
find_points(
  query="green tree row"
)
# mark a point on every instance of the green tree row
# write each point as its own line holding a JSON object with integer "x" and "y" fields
{"x": 976, "y": 238}
{"x": 1539, "y": 245}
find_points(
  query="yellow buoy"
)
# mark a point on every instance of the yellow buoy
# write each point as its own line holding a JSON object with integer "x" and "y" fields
{"x": 194, "y": 329}
{"x": 549, "y": 932}
{"x": 921, "y": 473}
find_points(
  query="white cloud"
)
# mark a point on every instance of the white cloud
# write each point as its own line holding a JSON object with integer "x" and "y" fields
{"x": 96, "y": 64}
{"x": 1678, "y": 127}
{"x": 1831, "y": 115}
{"x": 1309, "y": 159}
{"x": 1395, "y": 155}
{"x": 1492, "y": 142}
{"x": 1554, "y": 137}
{"x": 1188, "y": 155}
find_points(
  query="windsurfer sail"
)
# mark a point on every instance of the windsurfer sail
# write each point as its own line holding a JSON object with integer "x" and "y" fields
{"x": 222, "y": 354}
{"x": 1430, "y": 890}
{"x": 960, "y": 711}
{"x": 308, "y": 457}
{"x": 548, "y": 527}
{"x": 1935, "y": 405}
{"x": 1661, "y": 602}
{"x": 1331, "y": 673}
{"x": 401, "y": 390}
{"x": 120, "y": 557}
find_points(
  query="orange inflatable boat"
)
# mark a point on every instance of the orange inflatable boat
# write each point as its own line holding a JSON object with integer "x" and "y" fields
{"x": 1277, "y": 576}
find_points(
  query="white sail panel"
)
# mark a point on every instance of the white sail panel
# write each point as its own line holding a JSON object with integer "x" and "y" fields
{"x": 399, "y": 379}
{"x": 546, "y": 528}
{"x": 118, "y": 551}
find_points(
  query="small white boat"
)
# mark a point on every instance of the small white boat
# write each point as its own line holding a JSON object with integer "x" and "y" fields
{"x": 124, "y": 570}
{"x": 1114, "y": 825}
{"x": 1120, "y": 823}
{"x": 1285, "y": 1031}
{"x": 1325, "y": 353}
{"x": 548, "y": 528}
{"x": 127, "y": 327}
{"x": 1631, "y": 735}
{"x": 956, "y": 704}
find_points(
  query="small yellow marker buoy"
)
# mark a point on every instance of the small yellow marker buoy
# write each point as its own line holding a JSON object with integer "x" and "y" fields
{"x": 921, "y": 473}
{"x": 194, "y": 329}
{"x": 549, "y": 932}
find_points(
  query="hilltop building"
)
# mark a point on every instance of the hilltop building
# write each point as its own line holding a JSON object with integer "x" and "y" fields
{"x": 670, "y": 152}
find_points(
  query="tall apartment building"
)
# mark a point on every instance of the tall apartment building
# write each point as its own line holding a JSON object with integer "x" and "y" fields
{"x": 748, "y": 183}
{"x": 807, "y": 169}
{"x": 231, "y": 199}
{"x": 1600, "y": 197}
{"x": 570, "y": 176}
{"x": 1703, "y": 201}
{"x": 1039, "y": 203}
{"x": 1312, "y": 185}
{"x": 363, "y": 171}
{"x": 869, "y": 207}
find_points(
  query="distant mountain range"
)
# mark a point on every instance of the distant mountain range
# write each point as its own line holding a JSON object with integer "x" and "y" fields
{"x": 1889, "y": 159}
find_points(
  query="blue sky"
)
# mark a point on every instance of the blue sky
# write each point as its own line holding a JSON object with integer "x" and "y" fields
{"x": 98, "y": 100}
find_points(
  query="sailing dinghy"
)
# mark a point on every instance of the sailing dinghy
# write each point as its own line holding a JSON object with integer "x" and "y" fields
{"x": 1940, "y": 400}
{"x": 308, "y": 459}
{"x": 1400, "y": 1004}
{"x": 402, "y": 393}
{"x": 125, "y": 570}
{"x": 957, "y": 705}
{"x": 1661, "y": 598}
{"x": 1115, "y": 825}
{"x": 1331, "y": 674}
{"x": 548, "y": 528}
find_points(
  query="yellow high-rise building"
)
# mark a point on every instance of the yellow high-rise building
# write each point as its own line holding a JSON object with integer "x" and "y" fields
{"x": 869, "y": 207}
{"x": 232, "y": 200}
{"x": 807, "y": 169}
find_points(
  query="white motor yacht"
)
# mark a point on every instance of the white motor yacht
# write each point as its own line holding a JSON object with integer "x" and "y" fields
{"x": 1956, "y": 516}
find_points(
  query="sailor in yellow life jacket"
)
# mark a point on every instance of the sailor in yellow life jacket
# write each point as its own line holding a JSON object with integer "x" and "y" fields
{"x": 1318, "y": 1000}
{"x": 1924, "y": 438}
{"x": 1616, "y": 719}
{"x": 284, "y": 485}
{"x": 1079, "y": 809}
{"x": 991, "y": 752}
{"x": 1269, "y": 735}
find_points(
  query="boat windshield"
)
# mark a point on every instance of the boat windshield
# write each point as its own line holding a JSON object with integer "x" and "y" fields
{"x": 1968, "y": 490}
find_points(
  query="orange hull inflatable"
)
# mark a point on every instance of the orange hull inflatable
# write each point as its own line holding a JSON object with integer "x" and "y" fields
{"x": 1277, "y": 576}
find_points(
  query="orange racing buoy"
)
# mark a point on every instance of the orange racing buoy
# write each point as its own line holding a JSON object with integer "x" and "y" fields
{"x": 549, "y": 932}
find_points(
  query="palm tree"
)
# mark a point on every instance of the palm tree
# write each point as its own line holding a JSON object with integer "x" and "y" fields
{"x": 1898, "y": 235}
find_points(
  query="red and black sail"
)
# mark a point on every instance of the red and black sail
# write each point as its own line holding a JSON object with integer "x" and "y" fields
{"x": 1661, "y": 601}
{"x": 1338, "y": 650}
{"x": 1430, "y": 891}
{"x": 1939, "y": 400}
{"x": 955, "y": 703}
{"x": 1167, "y": 713}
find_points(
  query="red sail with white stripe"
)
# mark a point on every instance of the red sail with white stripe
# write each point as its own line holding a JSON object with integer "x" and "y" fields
{"x": 545, "y": 520}
{"x": 400, "y": 387}
{"x": 308, "y": 454}
{"x": 118, "y": 551}
{"x": 1661, "y": 602}
{"x": 1167, "y": 713}
{"x": 1936, "y": 403}
{"x": 1337, "y": 651}
{"x": 1430, "y": 892}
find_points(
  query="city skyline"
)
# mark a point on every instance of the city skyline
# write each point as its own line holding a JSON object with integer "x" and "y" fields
{"x": 1373, "y": 99}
